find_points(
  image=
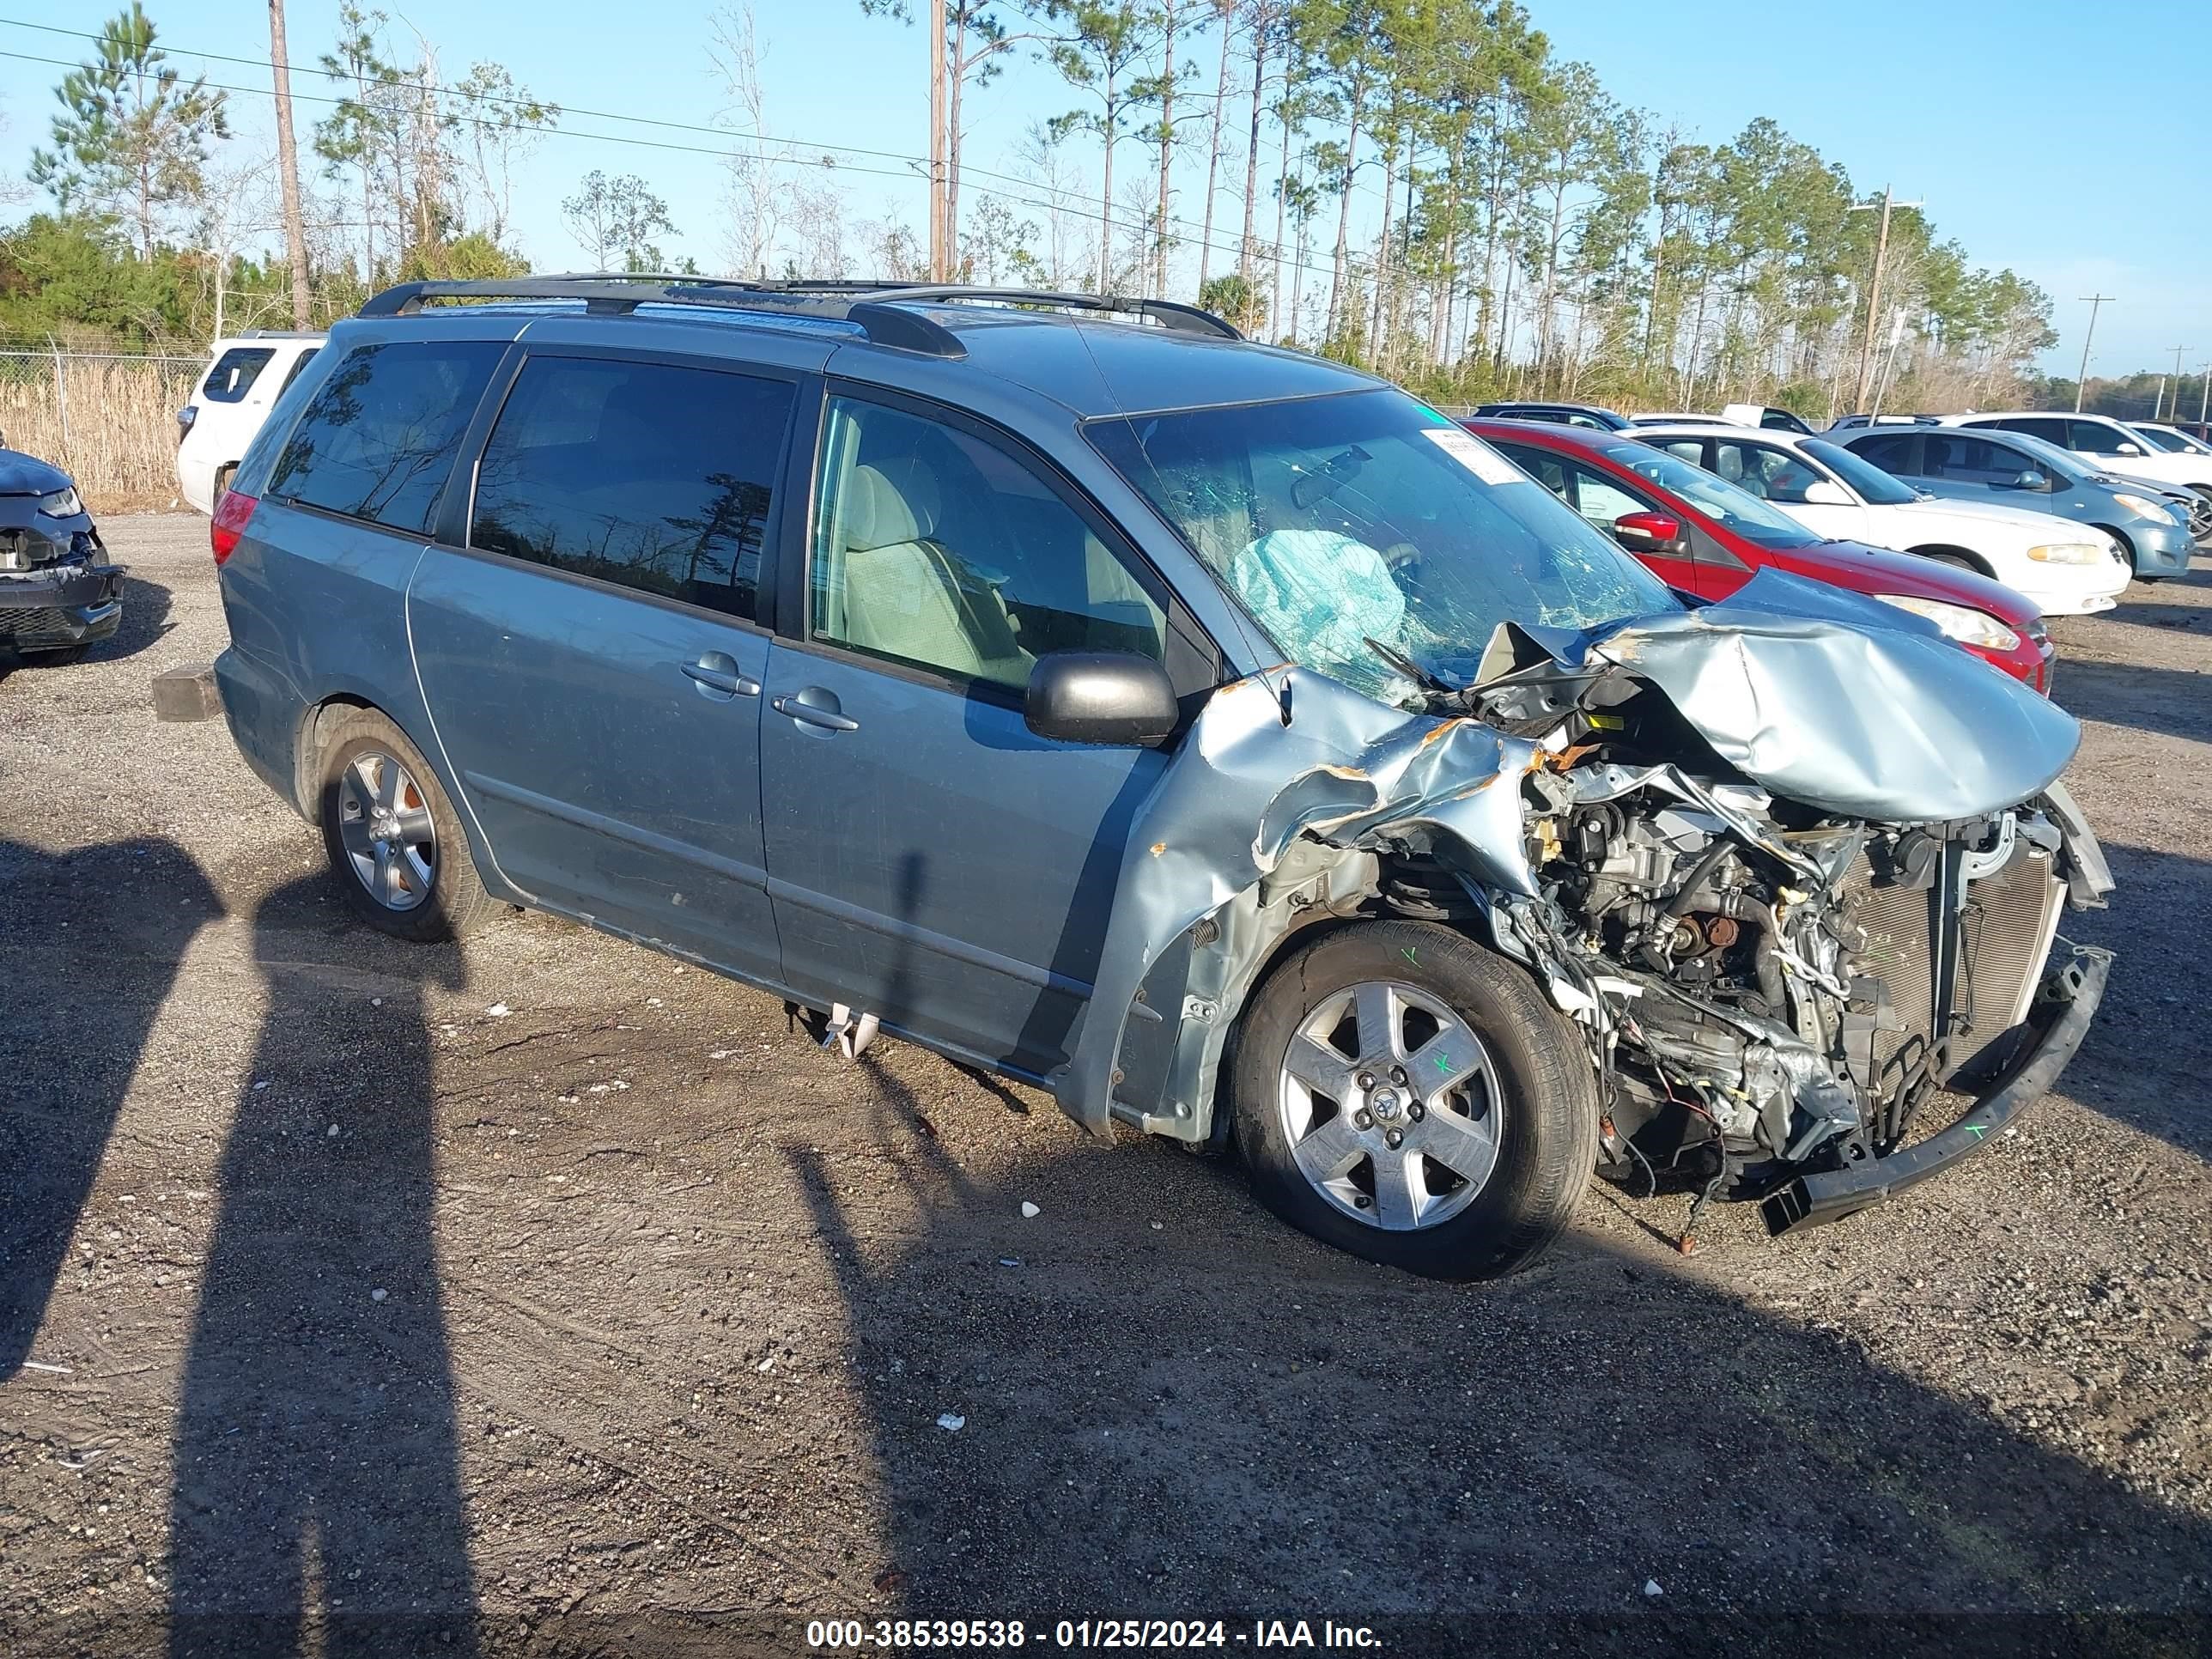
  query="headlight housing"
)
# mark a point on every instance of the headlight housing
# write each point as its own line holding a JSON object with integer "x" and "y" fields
{"x": 2067, "y": 553}
{"x": 2147, "y": 508}
{"x": 1960, "y": 622}
{"x": 62, "y": 503}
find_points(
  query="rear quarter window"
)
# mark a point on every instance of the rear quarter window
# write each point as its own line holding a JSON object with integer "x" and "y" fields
{"x": 378, "y": 440}
{"x": 234, "y": 373}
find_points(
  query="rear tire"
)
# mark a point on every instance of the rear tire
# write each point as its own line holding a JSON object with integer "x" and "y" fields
{"x": 393, "y": 841}
{"x": 1488, "y": 1088}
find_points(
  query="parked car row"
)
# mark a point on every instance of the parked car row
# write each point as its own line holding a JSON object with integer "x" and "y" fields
{"x": 2147, "y": 487}
{"x": 1211, "y": 735}
{"x": 1706, "y": 537}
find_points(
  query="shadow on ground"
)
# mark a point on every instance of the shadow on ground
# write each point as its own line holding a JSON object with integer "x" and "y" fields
{"x": 1512, "y": 1464}
{"x": 317, "y": 1501}
{"x": 131, "y": 909}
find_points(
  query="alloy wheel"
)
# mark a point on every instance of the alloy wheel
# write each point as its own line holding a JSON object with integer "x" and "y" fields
{"x": 385, "y": 825}
{"x": 1391, "y": 1106}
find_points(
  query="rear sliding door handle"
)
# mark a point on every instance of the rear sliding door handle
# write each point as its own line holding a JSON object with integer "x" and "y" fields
{"x": 809, "y": 714}
{"x": 725, "y": 680}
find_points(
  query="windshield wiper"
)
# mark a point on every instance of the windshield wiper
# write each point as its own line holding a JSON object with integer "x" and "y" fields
{"x": 1426, "y": 678}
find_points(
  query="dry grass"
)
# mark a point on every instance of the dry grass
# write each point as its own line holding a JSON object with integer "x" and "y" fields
{"x": 121, "y": 439}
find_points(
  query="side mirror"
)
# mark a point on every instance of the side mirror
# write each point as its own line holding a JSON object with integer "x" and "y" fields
{"x": 1821, "y": 492}
{"x": 1647, "y": 532}
{"x": 1100, "y": 696}
{"x": 2030, "y": 479}
{"x": 2128, "y": 449}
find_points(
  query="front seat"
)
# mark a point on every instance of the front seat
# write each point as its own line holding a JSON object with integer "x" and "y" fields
{"x": 907, "y": 596}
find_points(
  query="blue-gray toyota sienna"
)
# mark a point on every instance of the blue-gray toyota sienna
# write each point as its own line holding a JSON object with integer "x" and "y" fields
{"x": 1211, "y": 735}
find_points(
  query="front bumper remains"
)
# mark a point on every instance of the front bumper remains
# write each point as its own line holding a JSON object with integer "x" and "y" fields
{"x": 2064, "y": 1011}
{"x": 53, "y": 607}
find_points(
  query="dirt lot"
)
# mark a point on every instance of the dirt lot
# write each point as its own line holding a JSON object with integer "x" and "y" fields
{"x": 545, "y": 1296}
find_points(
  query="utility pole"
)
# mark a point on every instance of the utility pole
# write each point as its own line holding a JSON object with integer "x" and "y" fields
{"x": 2204, "y": 402}
{"x": 2082, "y": 380}
{"x": 1874, "y": 287}
{"x": 940, "y": 253}
{"x": 2176, "y": 413}
{"x": 287, "y": 169}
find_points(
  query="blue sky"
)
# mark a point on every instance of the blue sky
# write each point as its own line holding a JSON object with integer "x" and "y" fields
{"x": 2035, "y": 131}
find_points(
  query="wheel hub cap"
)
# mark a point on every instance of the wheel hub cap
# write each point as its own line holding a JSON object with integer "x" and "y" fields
{"x": 384, "y": 826}
{"x": 1390, "y": 1105}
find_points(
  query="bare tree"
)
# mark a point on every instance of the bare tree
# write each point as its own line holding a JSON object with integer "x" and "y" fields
{"x": 617, "y": 217}
{"x": 496, "y": 123}
{"x": 1041, "y": 160}
{"x": 818, "y": 221}
{"x": 758, "y": 191}
{"x": 235, "y": 208}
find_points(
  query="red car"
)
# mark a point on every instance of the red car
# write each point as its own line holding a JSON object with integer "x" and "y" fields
{"x": 1701, "y": 534}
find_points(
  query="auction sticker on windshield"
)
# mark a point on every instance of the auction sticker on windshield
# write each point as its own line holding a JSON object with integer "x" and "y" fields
{"x": 1476, "y": 456}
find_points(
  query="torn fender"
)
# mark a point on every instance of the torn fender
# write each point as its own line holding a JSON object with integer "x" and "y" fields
{"x": 1280, "y": 756}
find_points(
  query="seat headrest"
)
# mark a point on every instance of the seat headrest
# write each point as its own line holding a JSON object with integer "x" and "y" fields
{"x": 883, "y": 505}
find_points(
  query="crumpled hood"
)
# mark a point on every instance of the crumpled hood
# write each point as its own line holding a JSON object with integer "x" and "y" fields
{"x": 1881, "y": 718}
{"x": 26, "y": 475}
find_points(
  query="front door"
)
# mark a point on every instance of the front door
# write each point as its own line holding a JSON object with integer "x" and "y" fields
{"x": 591, "y": 658}
{"x": 931, "y": 860}
{"x": 1604, "y": 499}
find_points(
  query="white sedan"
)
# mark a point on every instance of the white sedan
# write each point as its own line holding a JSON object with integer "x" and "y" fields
{"x": 2065, "y": 569}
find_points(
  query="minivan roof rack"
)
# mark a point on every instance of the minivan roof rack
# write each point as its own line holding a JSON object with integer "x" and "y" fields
{"x": 877, "y": 307}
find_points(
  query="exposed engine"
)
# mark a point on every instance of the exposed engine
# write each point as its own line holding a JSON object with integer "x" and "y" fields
{"x": 1770, "y": 988}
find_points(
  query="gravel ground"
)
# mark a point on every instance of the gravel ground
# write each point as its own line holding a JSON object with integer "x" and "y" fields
{"x": 545, "y": 1296}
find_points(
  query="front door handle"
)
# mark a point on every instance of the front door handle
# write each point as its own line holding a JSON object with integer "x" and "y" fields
{"x": 810, "y": 714}
{"x": 716, "y": 672}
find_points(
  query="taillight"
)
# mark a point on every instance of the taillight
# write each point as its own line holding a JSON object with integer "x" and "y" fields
{"x": 232, "y": 514}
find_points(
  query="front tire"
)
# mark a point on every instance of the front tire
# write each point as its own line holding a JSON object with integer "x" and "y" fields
{"x": 393, "y": 841}
{"x": 1410, "y": 1098}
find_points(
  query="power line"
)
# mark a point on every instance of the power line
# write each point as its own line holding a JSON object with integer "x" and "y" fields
{"x": 1074, "y": 203}
{"x": 1087, "y": 212}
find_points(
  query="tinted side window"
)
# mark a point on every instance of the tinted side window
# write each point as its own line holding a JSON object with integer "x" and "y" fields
{"x": 935, "y": 549}
{"x": 378, "y": 439}
{"x": 2048, "y": 428}
{"x": 234, "y": 373}
{"x": 298, "y": 364}
{"x": 1890, "y": 454}
{"x": 1975, "y": 460}
{"x": 2098, "y": 439}
{"x": 654, "y": 476}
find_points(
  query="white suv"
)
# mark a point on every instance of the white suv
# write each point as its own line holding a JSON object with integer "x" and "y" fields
{"x": 245, "y": 374}
{"x": 2064, "y": 569}
{"x": 2112, "y": 445}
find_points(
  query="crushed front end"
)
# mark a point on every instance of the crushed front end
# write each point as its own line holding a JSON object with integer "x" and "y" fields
{"x": 1795, "y": 866}
{"x": 1779, "y": 1000}
{"x": 58, "y": 589}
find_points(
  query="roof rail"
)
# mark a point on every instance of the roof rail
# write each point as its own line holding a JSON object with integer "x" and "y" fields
{"x": 1168, "y": 313}
{"x": 875, "y": 307}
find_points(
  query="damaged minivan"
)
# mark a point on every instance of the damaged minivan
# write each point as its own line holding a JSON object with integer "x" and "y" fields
{"x": 1212, "y": 735}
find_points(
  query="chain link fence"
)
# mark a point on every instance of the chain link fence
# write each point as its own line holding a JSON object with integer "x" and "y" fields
{"x": 109, "y": 419}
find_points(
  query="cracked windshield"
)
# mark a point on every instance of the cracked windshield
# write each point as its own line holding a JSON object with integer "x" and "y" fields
{"x": 1349, "y": 523}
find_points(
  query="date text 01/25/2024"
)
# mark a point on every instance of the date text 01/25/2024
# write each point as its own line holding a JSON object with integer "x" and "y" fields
{"x": 895, "y": 1634}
